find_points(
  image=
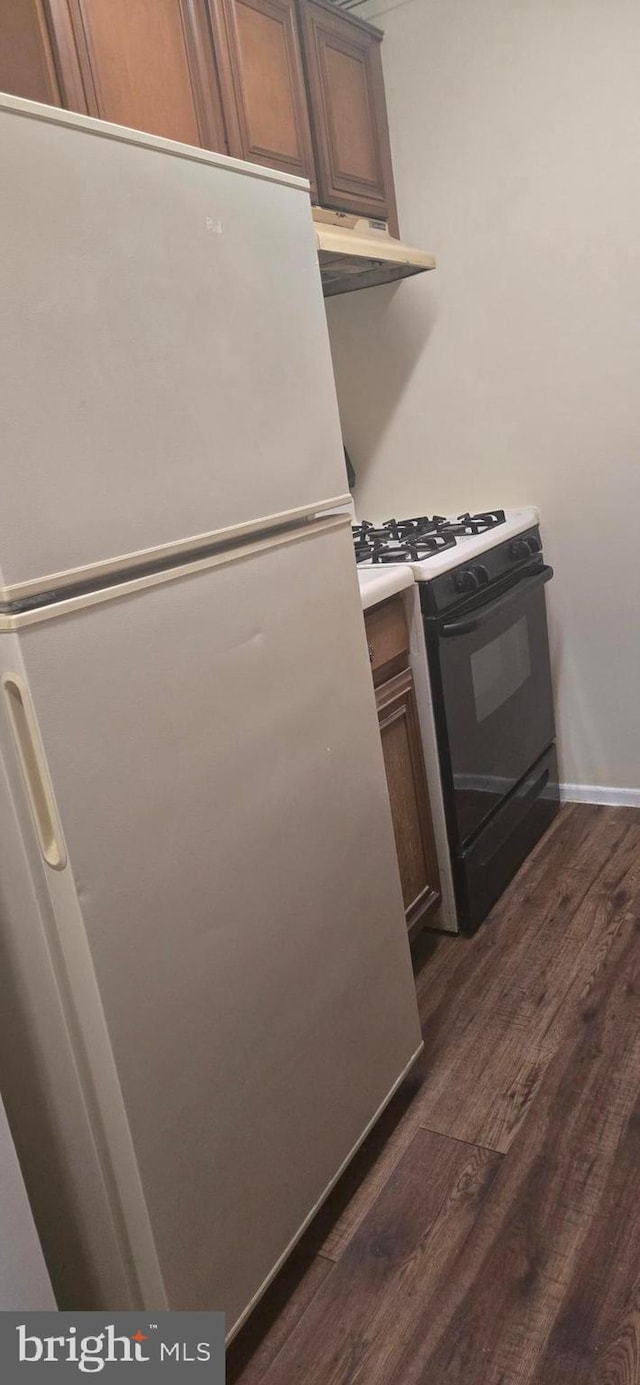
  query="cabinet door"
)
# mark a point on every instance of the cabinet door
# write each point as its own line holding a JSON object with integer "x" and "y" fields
{"x": 150, "y": 64}
{"x": 348, "y": 112}
{"x": 268, "y": 85}
{"x": 27, "y": 65}
{"x": 408, "y": 794}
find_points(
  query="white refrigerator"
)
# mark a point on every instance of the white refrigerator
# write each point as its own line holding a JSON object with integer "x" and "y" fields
{"x": 207, "y": 989}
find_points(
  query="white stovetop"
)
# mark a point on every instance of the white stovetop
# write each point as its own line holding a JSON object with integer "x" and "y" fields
{"x": 465, "y": 549}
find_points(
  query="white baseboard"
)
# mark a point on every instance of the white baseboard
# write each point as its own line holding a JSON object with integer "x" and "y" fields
{"x": 569, "y": 793}
{"x": 598, "y": 793}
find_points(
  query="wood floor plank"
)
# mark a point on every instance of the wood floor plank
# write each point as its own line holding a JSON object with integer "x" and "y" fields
{"x": 451, "y": 983}
{"x": 417, "y": 1227}
{"x": 458, "y": 1272}
{"x": 463, "y": 1266}
{"x": 445, "y": 962}
{"x": 279, "y": 1311}
{"x": 489, "y": 1046}
{"x": 441, "y": 974}
{"x": 489, "y": 1324}
{"x": 438, "y": 960}
{"x": 596, "y": 1337}
{"x": 357, "y": 1190}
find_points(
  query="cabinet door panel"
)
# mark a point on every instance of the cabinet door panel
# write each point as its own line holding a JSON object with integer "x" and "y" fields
{"x": 408, "y": 795}
{"x": 27, "y": 65}
{"x": 273, "y": 122}
{"x": 152, "y": 66}
{"x": 354, "y": 149}
{"x": 348, "y": 112}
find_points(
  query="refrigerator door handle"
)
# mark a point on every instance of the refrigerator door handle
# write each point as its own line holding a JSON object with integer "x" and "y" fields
{"x": 34, "y": 771}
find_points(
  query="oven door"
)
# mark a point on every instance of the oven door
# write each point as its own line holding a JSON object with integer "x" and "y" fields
{"x": 495, "y": 702}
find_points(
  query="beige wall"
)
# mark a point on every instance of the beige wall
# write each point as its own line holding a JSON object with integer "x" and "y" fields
{"x": 512, "y": 374}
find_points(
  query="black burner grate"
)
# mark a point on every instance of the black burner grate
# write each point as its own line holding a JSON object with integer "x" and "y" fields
{"x": 413, "y": 540}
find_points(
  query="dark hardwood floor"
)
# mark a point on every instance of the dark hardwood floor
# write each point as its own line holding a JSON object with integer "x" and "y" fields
{"x": 488, "y": 1231}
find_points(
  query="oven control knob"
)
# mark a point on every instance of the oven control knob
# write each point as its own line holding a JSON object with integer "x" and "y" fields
{"x": 520, "y": 549}
{"x": 534, "y": 544}
{"x": 466, "y": 581}
{"x": 481, "y": 575}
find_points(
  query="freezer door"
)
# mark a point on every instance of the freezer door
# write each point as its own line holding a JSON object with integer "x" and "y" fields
{"x": 164, "y": 358}
{"x": 214, "y": 751}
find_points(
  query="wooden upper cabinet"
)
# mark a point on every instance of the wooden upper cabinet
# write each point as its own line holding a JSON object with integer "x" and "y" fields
{"x": 348, "y": 112}
{"x": 291, "y": 84}
{"x": 150, "y": 64}
{"x": 27, "y": 64}
{"x": 268, "y": 85}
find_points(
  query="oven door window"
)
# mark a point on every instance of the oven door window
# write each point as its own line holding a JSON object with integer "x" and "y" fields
{"x": 497, "y": 709}
{"x": 500, "y": 667}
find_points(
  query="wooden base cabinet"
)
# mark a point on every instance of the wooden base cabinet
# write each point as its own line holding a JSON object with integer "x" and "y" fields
{"x": 408, "y": 795}
{"x": 388, "y": 640}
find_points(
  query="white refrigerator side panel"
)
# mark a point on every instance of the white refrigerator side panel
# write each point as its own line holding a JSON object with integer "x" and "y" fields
{"x": 214, "y": 749}
{"x": 44, "y": 1078}
{"x": 164, "y": 358}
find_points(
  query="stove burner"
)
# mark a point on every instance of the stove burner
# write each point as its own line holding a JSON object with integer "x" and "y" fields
{"x": 413, "y": 540}
{"x": 418, "y": 528}
{"x": 475, "y": 524}
{"x": 412, "y": 549}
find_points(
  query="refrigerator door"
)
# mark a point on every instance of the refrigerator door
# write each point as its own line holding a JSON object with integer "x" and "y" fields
{"x": 164, "y": 357}
{"x": 228, "y": 928}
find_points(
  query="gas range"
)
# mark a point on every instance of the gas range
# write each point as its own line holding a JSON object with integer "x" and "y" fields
{"x": 486, "y": 705}
{"x": 436, "y": 544}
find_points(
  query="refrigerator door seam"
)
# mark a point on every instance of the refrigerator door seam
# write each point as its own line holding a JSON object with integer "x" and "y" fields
{"x": 95, "y": 573}
{"x": 11, "y": 622}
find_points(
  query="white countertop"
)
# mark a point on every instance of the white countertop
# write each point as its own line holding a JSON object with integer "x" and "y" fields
{"x": 377, "y": 583}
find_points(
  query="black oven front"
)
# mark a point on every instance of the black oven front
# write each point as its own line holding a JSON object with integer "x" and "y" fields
{"x": 491, "y": 683}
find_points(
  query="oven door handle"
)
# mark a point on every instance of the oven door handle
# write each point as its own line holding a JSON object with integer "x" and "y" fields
{"x": 467, "y": 624}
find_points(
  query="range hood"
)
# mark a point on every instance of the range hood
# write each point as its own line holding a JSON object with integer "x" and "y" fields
{"x": 356, "y": 253}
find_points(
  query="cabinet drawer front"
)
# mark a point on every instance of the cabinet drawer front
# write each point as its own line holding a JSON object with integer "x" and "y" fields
{"x": 387, "y": 637}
